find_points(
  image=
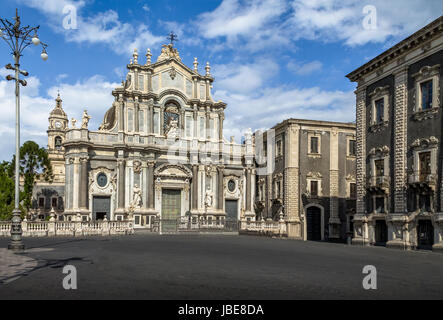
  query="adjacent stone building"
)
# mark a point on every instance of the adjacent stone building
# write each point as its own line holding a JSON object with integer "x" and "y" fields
{"x": 306, "y": 178}
{"x": 399, "y": 136}
{"x": 159, "y": 153}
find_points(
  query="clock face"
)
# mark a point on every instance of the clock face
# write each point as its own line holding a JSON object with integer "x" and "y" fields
{"x": 58, "y": 124}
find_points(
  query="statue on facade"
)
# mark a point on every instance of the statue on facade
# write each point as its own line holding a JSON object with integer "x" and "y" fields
{"x": 168, "y": 51}
{"x": 136, "y": 197}
{"x": 208, "y": 199}
{"x": 85, "y": 119}
{"x": 172, "y": 130}
{"x": 73, "y": 123}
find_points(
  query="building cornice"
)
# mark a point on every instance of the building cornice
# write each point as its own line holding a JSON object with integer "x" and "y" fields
{"x": 409, "y": 44}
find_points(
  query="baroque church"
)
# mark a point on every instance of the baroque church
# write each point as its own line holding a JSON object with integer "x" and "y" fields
{"x": 158, "y": 154}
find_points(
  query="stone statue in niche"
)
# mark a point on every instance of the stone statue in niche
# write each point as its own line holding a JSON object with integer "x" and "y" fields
{"x": 136, "y": 198}
{"x": 172, "y": 130}
{"x": 208, "y": 199}
{"x": 137, "y": 167}
{"x": 85, "y": 119}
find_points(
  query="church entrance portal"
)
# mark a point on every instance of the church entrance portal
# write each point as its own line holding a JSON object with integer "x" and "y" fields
{"x": 171, "y": 210}
{"x": 101, "y": 208}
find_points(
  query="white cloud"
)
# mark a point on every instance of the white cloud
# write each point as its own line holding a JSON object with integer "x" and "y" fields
{"x": 305, "y": 68}
{"x": 244, "y": 78}
{"x": 245, "y": 23}
{"x": 102, "y": 27}
{"x": 253, "y": 102}
{"x": 342, "y": 20}
{"x": 258, "y": 25}
{"x": 93, "y": 94}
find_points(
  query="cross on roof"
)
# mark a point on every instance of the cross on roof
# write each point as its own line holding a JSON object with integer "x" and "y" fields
{"x": 172, "y": 37}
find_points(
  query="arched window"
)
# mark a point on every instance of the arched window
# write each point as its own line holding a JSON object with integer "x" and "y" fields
{"x": 171, "y": 114}
{"x": 58, "y": 142}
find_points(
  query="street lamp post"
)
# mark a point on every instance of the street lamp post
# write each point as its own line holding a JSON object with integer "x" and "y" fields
{"x": 18, "y": 38}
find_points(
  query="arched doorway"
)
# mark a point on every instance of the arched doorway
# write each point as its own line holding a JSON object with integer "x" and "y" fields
{"x": 425, "y": 234}
{"x": 314, "y": 224}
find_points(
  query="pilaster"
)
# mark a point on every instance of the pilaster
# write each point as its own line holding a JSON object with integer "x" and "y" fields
{"x": 400, "y": 142}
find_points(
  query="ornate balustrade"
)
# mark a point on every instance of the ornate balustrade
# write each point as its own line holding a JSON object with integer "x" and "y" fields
{"x": 268, "y": 228}
{"x": 69, "y": 228}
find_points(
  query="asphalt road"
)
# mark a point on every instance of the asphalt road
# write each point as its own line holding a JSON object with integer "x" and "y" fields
{"x": 149, "y": 266}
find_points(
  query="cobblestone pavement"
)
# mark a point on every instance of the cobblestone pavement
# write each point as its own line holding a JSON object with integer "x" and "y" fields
{"x": 147, "y": 266}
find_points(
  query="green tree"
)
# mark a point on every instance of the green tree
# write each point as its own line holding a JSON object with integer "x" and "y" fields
{"x": 34, "y": 165}
{"x": 6, "y": 191}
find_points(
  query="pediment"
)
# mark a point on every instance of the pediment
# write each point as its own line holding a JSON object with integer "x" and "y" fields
{"x": 176, "y": 171}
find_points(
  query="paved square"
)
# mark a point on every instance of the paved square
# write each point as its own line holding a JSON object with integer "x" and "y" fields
{"x": 149, "y": 266}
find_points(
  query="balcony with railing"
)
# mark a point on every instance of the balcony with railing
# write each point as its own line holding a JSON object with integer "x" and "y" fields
{"x": 418, "y": 179}
{"x": 378, "y": 183}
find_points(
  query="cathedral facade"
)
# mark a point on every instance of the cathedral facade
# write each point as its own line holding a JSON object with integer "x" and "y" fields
{"x": 159, "y": 153}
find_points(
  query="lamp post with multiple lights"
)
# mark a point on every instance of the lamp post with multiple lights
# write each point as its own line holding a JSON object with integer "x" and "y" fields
{"x": 18, "y": 38}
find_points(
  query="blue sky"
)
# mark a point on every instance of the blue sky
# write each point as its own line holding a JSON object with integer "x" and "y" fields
{"x": 272, "y": 59}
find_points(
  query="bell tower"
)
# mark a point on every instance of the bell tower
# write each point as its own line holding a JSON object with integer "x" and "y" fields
{"x": 58, "y": 124}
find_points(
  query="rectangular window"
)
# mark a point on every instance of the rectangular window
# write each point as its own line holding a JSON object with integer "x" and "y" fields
{"x": 279, "y": 148}
{"x": 41, "y": 202}
{"x": 379, "y": 110}
{"x": 141, "y": 120}
{"x": 278, "y": 189}
{"x": 380, "y": 205}
{"x": 211, "y": 128}
{"x": 352, "y": 148}
{"x": 353, "y": 190}
{"x": 54, "y": 202}
{"x": 314, "y": 188}
{"x": 426, "y": 94}
{"x": 156, "y": 122}
{"x": 130, "y": 120}
{"x": 379, "y": 168}
{"x": 141, "y": 82}
{"x": 189, "y": 126}
{"x": 202, "y": 127}
{"x": 314, "y": 145}
{"x": 425, "y": 165}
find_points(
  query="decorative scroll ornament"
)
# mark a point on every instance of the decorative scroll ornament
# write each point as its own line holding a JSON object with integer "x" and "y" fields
{"x": 424, "y": 142}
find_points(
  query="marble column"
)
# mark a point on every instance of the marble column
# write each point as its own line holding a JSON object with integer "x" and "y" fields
{"x": 208, "y": 131}
{"x": 248, "y": 190}
{"x": 136, "y": 116}
{"x": 83, "y": 190}
{"x": 121, "y": 184}
{"x": 150, "y": 186}
{"x": 151, "y": 118}
{"x": 221, "y": 117}
{"x": 195, "y": 187}
{"x": 195, "y": 123}
{"x": 149, "y": 81}
{"x": 220, "y": 187}
{"x": 121, "y": 116}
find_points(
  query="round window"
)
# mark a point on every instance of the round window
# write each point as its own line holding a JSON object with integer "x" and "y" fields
{"x": 102, "y": 179}
{"x": 231, "y": 185}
